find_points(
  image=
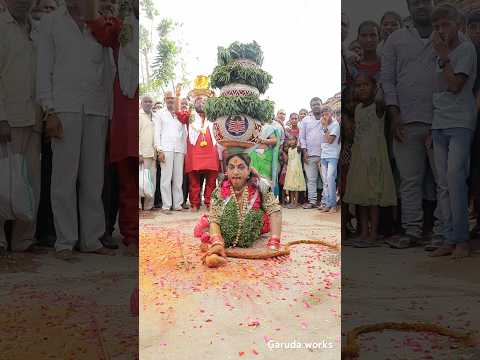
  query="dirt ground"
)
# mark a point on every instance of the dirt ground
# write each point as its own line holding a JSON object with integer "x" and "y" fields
{"x": 388, "y": 285}
{"x": 52, "y": 309}
{"x": 189, "y": 311}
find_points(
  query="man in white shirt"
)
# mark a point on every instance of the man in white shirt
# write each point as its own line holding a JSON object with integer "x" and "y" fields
{"x": 171, "y": 146}
{"x": 19, "y": 115}
{"x": 73, "y": 82}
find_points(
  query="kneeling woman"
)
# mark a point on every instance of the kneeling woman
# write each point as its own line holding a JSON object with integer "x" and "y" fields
{"x": 241, "y": 209}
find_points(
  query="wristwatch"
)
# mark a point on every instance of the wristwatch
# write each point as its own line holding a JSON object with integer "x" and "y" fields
{"x": 442, "y": 63}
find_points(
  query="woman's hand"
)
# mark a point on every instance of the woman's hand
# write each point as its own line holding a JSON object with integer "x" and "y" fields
{"x": 254, "y": 172}
{"x": 161, "y": 156}
{"x": 216, "y": 249}
{"x": 54, "y": 127}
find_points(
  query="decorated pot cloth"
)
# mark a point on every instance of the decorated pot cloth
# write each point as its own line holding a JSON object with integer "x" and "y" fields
{"x": 237, "y": 130}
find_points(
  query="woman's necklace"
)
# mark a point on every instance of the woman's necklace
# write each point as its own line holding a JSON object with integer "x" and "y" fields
{"x": 241, "y": 210}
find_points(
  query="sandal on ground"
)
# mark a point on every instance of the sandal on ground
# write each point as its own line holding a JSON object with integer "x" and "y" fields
{"x": 434, "y": 244}
{"x": 402, "y": 242}
{"x": 363, "y": 244}
{"x": 66, "y": 255}
{"x": 35, "y": 250}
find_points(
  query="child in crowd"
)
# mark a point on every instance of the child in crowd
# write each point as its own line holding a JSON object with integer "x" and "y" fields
{"x": 369, "y": 181}
{"x": 294, "y": 179}
{"x": 453, "y": 127}
{"x": 368, "y": 38}
{"x": 390, "y": 22}
{"x": 329, "y": 161}
{"x": 357, "y": 49}
{"x": 347, "y": 127}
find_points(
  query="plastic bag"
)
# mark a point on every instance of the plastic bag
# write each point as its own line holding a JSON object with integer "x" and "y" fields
{"x": 146, "y": 187}
{"x": 16, "y": 193}
{"x": 141, "y": 192}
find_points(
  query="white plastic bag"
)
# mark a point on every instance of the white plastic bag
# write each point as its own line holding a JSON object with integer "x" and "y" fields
{"x": 146, "y": 187}
{"x": 141, "y": 182}
{"x": 16, "y": 193}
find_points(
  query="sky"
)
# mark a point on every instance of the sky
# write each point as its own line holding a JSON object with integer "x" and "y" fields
{"x": 300, "y": 40}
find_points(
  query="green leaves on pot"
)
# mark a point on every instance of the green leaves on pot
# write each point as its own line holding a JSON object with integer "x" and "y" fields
{"x": 235, "y": 73}
{"x": 262, "y": 110}
{"x": 238, "y": 50}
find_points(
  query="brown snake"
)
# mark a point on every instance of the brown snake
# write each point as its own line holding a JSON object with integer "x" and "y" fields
{"x": 352, "y": 348}
{"x": 260, "y": 254}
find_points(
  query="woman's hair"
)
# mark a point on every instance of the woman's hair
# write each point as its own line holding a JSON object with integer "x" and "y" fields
{"x": 367, "y": 75}
{"x": 368, "y": 23}
{"x": 445, "y": 12}
{"x": 294, "y": 113}
{"x": 393, "y": 14}
{"x": 244, "y": 157}
{"x": 292, "y": 137}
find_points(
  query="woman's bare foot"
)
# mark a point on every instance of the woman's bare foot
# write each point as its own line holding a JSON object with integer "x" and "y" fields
{"x": 443, "y": 250}
{"x": 461, "y": 251}
{"x": 215, "y": 256}
{"x": 214, "y": 261}
{"x": 131, "y": 250}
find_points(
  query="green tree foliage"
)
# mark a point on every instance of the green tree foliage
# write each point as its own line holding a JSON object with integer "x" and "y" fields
{"x": 166, "y": 56}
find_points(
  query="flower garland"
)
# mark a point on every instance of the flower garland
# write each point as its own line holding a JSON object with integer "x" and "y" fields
{"x": 241, "y": 210}
{"x": 241, "y": 221}
{"x": 202, "y": 130}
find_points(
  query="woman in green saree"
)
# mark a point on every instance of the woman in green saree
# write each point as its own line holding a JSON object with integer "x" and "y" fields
{"x": 265, "y": 158}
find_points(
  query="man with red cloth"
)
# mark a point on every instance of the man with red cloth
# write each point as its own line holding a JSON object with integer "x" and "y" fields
{"x": 202, "y": 161}
{"x": 122, "y": 36}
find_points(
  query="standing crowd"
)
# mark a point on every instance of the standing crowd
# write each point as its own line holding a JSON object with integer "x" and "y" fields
{"x": 69, "y": 107}
{"x": 298, "y": 156}
{"x": 409, "y": 162}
